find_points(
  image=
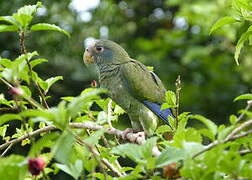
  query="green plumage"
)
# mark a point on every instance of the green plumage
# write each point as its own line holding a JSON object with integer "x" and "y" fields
{"x": 129, "y": 83}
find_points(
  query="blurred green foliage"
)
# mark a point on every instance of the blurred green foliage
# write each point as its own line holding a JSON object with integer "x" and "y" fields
{"x": 172, "y": 36}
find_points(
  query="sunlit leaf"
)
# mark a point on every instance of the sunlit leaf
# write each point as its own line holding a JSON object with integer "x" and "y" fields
{"x": 13, "y": 167}
{"x": 211, "y": 126}
{"x": 51, "y": 27}
{"x": 244, "y": 96}
{"x": 63, "y": 147}
{"x": 170, "y": 155}
{"x": 51, "y": 81}
{"x": 72, "y": 169}
{"x": 8, "y": 19}
{"x": 6, "y": 28}
{"x": 241, "y": 42}
{"x": 8, "y": 117}
{"x": 3, "y": 130}
{"x": 221, "y": 22}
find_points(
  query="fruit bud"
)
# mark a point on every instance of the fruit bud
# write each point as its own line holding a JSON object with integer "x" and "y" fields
{"x": 36, "y": 165}
{"x": 16, "y": 91}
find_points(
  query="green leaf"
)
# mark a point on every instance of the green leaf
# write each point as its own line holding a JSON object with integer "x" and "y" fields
{"x": 72, "y": 169}
{"x": 35, "y": 62}
{"x": 26, "y": 90}
{"x": 13, "y": 167}
{"x": 29, "y": 56}
{"x": 146, "y": 148}
{"x": 5, "y": 62}
{"x": 192, "y": 148}
{"x": 51, "y": 27}
{"x": 76, "y": 104}
{"x": 221, "y": 22}
{"x": 8, "y": 28}
{"x": 233, "y": 119}
{"x": 29, "y": 9}
{"x": 94, "y": 138}
{"x": 24, "y": 15}
{"x": 137, "y": 153}
{"x": 224, "y": 131}
{"x": 211, "y": 126}
{"x": 118, "y": 110}
{"x": 8, "y": 117}
{"x": 163, "y": 128}
{"x": 23, "y": 19}
{"x": 8, "y": 19}
{"x": 170, "y": 155}
{"x": 170, "y": 98}
{"x": 240, "y": 43}
{"x": 47, "y": 141}
{"x": 133, "y": 151}
{"x": 46, "y": 114}
{"x": 3, "y": 130}
{"x": 244, "y": 96}
{"x": 244, "y": 4}
{"x": 51, "y": 81}
{"x": 63, "y": 147}
{"x": 4, "y": 101}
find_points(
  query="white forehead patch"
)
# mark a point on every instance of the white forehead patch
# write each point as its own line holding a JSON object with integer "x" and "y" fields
{"x": 90, "y": 41}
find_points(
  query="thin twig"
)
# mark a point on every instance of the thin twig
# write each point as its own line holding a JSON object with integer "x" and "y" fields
{"x": 110, "y": 112}
{"x": 242, "y": 134}
{"x": 36, "y": 132}
{"x": 245, "y": 151}
{"x": 178, "y": 88}
{"x": 6, "y": 150}
{"x": 96, "y": 155}
{"x": 238, "y": 129}
{"x": 6, "y": 83}
{"x": 24, "y": 51}
{"x": 231, "y": 137}
{"x": 249, "y": 104}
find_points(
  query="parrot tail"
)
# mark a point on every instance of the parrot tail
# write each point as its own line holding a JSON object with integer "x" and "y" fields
{"x": 156, "y": 108}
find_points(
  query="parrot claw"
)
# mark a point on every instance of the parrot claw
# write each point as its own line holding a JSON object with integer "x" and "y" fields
{"x": 126, "y": 132}
{"x": 134, "y": 138}
{"x": 138, "y": 137}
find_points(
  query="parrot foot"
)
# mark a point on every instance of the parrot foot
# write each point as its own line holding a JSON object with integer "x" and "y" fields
{"x": 133, "y": 137}
{"x": 126, "y": 132}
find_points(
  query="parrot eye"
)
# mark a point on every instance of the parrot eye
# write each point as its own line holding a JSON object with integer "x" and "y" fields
{"x": 99, "y": 49}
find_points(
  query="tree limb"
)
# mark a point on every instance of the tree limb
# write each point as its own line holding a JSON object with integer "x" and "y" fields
{"x": 88, "y": 125}
{"x": 231, "y": 137}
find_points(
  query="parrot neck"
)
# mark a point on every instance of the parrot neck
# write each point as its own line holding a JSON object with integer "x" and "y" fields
{"x": 103, "y": 68}
{"x": 109, "y": 70}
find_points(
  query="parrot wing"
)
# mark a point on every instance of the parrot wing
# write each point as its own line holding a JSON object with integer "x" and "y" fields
{"x": 145, "y": 86}
{"x": 142, "y": 83}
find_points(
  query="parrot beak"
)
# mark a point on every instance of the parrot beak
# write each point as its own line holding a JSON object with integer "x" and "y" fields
{"x": 88, "y": 57}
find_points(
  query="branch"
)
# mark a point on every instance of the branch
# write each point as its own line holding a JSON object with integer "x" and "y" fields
{"x": 231, "y": 137}
{"x": 88, "y": 125}
{"x": 249, "y": 104}
{"x": 24, "y": 51}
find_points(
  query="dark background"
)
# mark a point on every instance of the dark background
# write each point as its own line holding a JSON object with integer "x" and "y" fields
{"x": 172, "y": 36}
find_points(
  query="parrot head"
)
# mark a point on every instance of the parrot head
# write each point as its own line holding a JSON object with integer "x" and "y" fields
{"x": 102, "y": 52}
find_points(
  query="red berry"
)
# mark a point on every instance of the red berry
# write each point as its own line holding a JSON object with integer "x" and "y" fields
{"x": 16, "y": 91}
{"x": 36, "y": 165}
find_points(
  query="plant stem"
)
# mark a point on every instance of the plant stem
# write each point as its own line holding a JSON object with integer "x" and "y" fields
{"x": 24, "y": 51}
{"x": 231, "y": 137}
{"x": 178, "y": 88}
{"x": 243, "y": 114}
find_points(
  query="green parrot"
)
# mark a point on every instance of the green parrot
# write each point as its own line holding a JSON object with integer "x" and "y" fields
{"x": 131, "y": 85}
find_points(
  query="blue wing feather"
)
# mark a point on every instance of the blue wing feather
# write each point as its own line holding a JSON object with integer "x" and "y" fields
{"x": 156, "y": 108}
